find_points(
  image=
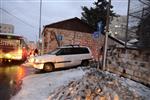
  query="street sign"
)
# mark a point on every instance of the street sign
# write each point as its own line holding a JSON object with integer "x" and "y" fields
{"x": 100, "y": 29}
{"x": 59, "y": 37}
{"x": 96, "y": 34}
{"x": 100, "y": 26}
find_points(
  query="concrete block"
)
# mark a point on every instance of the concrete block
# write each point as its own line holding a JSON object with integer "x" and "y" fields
{"x": 128, "y": 76}
{"x": 134, "y": 67}
{"x": 135, "y": 78}
{"x": 148, "y": 79}
{"x": 142, "y": 64}
{"x": 143, "y": 70}
{"x": 120, "y": 69}
{"x": 129, "y": 71}
{"x": 144, "y": 76}
{"x": 148, "y": 82}
{"x": 114, "y": 69}
{"x": 137, "y": 74}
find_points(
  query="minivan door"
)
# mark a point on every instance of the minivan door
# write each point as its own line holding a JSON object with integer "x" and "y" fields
{"x": 63, "y": 58}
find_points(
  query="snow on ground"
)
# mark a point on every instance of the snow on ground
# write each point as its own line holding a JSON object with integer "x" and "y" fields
{"x": 42, "y": 86}
{"x": 137, "y": 88}
{"x": 101, "y": 85}
{"x": 39, "y": 86}
{"x": 140, "y": 89}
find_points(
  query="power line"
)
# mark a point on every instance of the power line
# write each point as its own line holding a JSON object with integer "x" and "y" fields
{"x": 16, "y": 17}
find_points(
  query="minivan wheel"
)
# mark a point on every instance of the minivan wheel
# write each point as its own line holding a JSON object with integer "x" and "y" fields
{"x": 48, "y": 67}
{"x": 85, "y": 63}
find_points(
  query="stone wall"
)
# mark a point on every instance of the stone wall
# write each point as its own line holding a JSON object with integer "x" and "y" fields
{"x": 130, "y": 63}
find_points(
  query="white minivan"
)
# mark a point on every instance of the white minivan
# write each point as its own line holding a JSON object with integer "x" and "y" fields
{"x": 65, "y": 56}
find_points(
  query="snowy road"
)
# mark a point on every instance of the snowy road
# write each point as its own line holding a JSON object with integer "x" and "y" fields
{"x": 39, "y": 86}
{"x": 11, "y": 75}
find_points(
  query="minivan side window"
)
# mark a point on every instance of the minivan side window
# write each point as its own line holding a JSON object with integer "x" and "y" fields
{"x": 64, "y": 51}
{"x": 83, "y": 50}
{"x": 79, "y": 51}
{"x": 71, "y": 51}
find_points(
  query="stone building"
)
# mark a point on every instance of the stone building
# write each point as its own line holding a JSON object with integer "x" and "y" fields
{"x": 6, "y": 28}
{"x": 72, "y": 31}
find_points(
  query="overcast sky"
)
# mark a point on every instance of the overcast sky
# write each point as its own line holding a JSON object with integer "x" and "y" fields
{"x": 24, "y": 14}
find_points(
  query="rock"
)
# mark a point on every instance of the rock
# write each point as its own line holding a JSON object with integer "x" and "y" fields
{"x": 88, "y": 92}
{"x": 98, "y": 90}
{"x": 88, "y": 97}
{"x": 116, "y": 97}
{"x": 102, "y": 98}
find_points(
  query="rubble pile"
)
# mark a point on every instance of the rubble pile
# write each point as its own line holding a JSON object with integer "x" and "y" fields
{"x": 98, "y": 85}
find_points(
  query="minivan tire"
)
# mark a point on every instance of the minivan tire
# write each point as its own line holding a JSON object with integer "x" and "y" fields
{"x": 48, "y": 67}
{"x": 85, "y": 63}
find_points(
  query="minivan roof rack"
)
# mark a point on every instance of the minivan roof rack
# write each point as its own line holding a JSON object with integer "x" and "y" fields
{"x": 73, "y": 45}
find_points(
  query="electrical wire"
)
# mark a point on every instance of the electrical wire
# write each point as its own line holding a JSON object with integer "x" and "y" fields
{"x": 17, "y": 18}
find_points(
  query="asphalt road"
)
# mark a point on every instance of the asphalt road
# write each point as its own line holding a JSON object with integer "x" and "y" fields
{"x": 11, "y": 75}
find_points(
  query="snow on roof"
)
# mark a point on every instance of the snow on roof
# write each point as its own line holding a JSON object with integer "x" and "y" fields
{"x": 133, "y": 41}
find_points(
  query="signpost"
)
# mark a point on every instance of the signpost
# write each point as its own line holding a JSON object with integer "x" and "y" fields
{"x": 106, "y": 35}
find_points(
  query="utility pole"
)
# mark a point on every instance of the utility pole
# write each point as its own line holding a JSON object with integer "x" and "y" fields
{"x": 106, "y": 35}
{"x": 126, "y": 37}
{"x": 40, "y": 19}
{"x": 39, "y": 42}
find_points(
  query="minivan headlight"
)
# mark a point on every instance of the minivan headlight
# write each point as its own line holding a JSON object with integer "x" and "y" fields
{"x": 31, "y": 60}
{"x": 36, "y": 61}
{"x": 39, "y": 61}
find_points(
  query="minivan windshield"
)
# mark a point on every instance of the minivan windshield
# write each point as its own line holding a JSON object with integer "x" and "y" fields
{"x": 54, "y": 51}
